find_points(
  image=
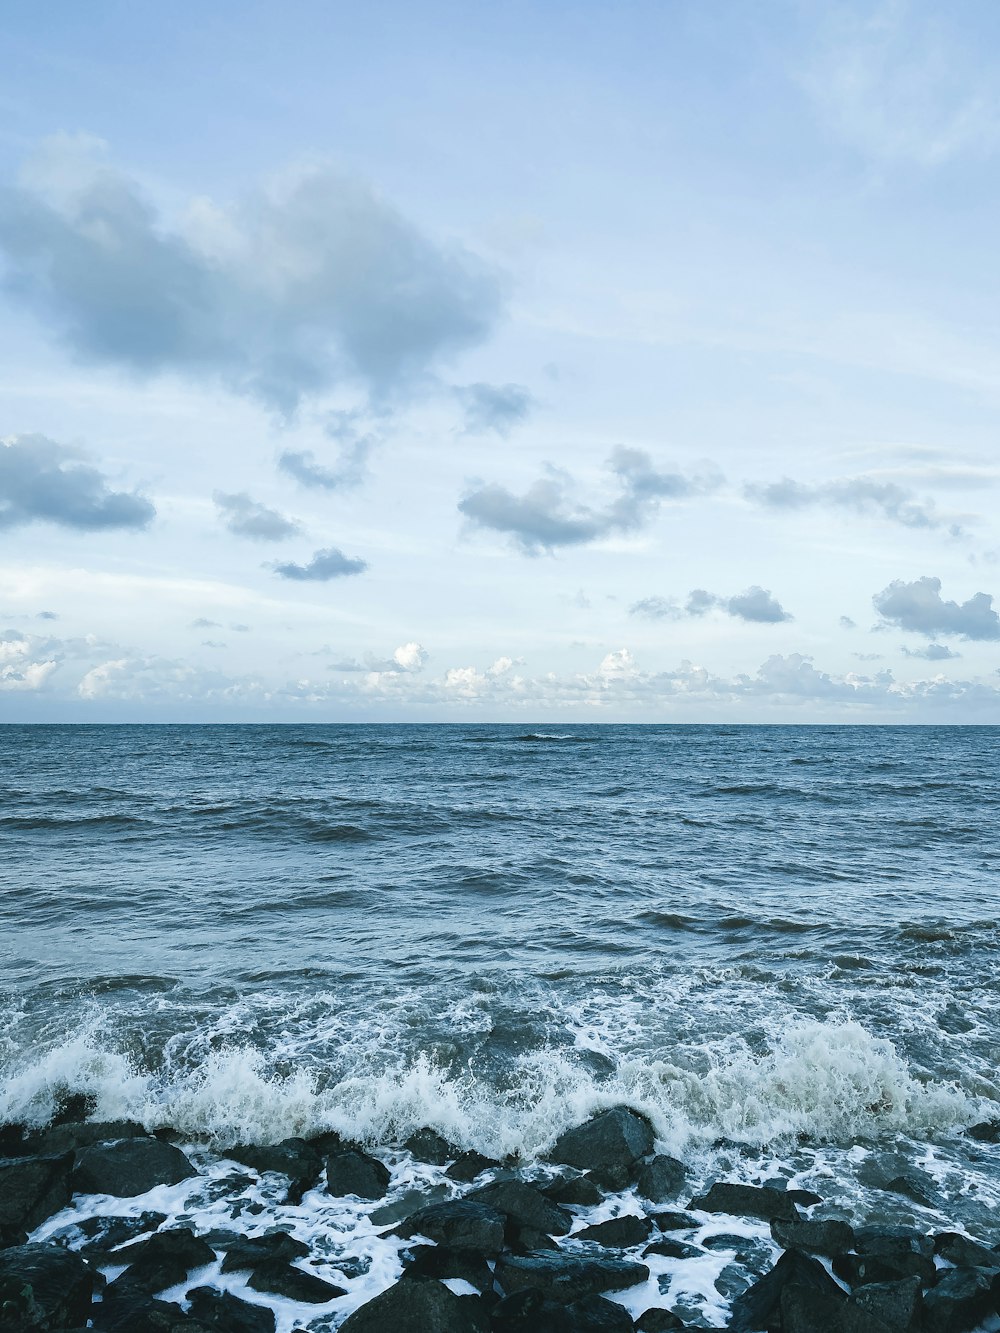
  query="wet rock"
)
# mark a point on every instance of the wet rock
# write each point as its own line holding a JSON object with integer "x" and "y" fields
{"x": 418, "y": 1307}
{"x": 619, "y": 1232}
{"x": 661, "y": 1179}
{"x": 525, "y": 1240}
{"x": 355, "y": 1172}
{"x": 250, "y": 1251}
{"x": 147, "y": 1316}
{"x": 857, "y": 1270}
{"x": 74, "y": 1136}
{"x": 883, "y": 1306}
{"x": 463, "y": 1224}
{"x": 468, "y": 1165}
{"x": 817, "y": 1237}
{"x": 987, "y": 1131}
{"x": 567, "y": 1277}
{"x": 797, "y": 1290}
{"x": 440, "y": 1261}
{"x": 406, "y": 1204}
{"x": 579, "y": 1191}
{"x": 281, "y": 1279}
{"x": 176, "y": 1245}
{"x": 672, "y": 1249}
{"x": 294, "y": 1158}
{"x": 525, "y": 1206}
{"x": 963, "y": 1252}
{"x": 658, "y": 1321}
{"x": 961, "y": 1300}
{"x": 44, "y": 1287}
{"x": 804, "y": 1198}
{"x": 427, "y": 1145}
{"x": 328, "y": 1143}
{"x": 225, "y": 1312}
{"x": 532, "y": 1311}
{"x": 896, "y": 1175}
{"x": 32, "y": 1189}
{"x": 675, "y": 1221}
{"x": 893, "y": 1240}
{"x": 74, "y": 1106}
{"x": 105, "y": 1233}
{"x": 129, "y": 1167}
{"x": 609, "y": 1146}
{"x": 770, "y": 1205}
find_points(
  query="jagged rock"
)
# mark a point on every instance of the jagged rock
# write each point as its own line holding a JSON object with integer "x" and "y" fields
{"x": 463, "y": 1224}
{"x": 579, "y": 1191}
{"x": 797, "y": 1288}
{"x": 804, "y": 1198}
{"x": 74, "y": 1136}
{"x": 608, "y": 1146}
{"x": 895, "y": 1174}
{"x": 225, "y": 1312}
{"x": 858, "y": 1270}
{"x": 418, "y": 1307}
{"x": 963, "y": 1252}
{"x": 129, "y": 1167}
{"x": 427, "y": 1145}
{"x": 619, "y": 1232}
{"x": 761, "y": 1201}
{"x": 294, "y": 1284}
{"x": 567, "y": 1277}
{"x": 987, "y": 1131}
{"x": 294, "y": 1158}
{"x": 105, "y": 1233}
{"x": 328, "y": 1143}
{"x": 661, "y": 1179}
{"x": 176, "y": 1245}
{"x": 533, "y": 1311}
{"x": 468, "y": 1165}
{"x": 355, "y": 1172}
{"x": 525, "y": 1206}
{"x": 893, "y": 1240}
{"x": 658, "y": 1321}
{"x": 147, "y": 1316}
{"x": 32, "y": 1189}
{"x": 524, "y": 1240}
{"x": 961, "y": 1300}
{"x": 440, "y": 1261}
{"x": 672, "y": 1249}
{"x": 44, "y": 1287}
{"x": 73, "y": 1107}
{"x": 879, "y": 1306}
{"x": 817, "y": 1237}
{"x": 675, "y": 1221}
{"x": 248, "y": 1252}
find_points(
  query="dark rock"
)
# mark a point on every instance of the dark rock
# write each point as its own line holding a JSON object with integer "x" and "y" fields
{"x": 74, "y": 1106}
{"x": 462, "y": 1224}
{"x": 817, "y": 1237}
{"x": 893, "y": 1173}
{"x": 525, "y": 1240}
{"x": 44, "y": 1287}
{"x": 524, "y": 1205}
{"x": 294, "y": 1158}
{"x": 797, "y": 1283}
{"x": 893, "y": 1240}
{"x": 532, "y": 1311}
{"x": 355, "y": 1172}
{"x": 961, "y": 1300}
{"x": 675, "y": 1221}
{"x": 882, "y": 1306}
{"x": 227, "y": 1313}
{"x": 963, "y": 1252}
{"x": 418, "y": 1307}
{"x": 147, "y": 1316}
{"x": 294, "y": 1284}
{"x": 620, "y": 1232}
{"x": 328, "y": 1144}
{"x": 672, "y": 1249}
{"x": 987, "y": 1131}
{"x": 406, "y": 1204}
{"x": 176, "y": 1245}
{"x": 761, "y": 1201}
{"x": 804, "y": 1198}
{"x": 129, "y": 1167}
{"x": 105, "y": 1233}
{"x": 250, "y": 1251}
{"x": 439, "y": 1261}
{"x": 427, "y": 1145}
{"x": 608, "y": 1146}
{"x": 658, "y": 1321}
{"x": 580, "y": 1191}
{"x": 468, "y": 1165}
{"x": 857, "y": 1270}
{"x": 567, "y": 1277}
{"x": 32, "y": 1189}
{"x": 661, "y": 1179}
{"x": 73, "y": 1137}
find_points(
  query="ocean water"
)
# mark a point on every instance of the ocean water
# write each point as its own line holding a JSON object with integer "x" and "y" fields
{"x": 779, "y": 943}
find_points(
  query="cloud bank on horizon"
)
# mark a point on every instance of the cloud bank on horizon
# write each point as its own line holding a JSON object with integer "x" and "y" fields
{"x": 659, "y": 383}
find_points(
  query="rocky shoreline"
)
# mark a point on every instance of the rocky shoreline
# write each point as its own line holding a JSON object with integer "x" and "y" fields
{"x": 494, "y": 1249}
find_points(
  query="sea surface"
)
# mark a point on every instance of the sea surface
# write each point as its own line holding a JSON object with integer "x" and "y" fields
{"x": 779, "y": 943}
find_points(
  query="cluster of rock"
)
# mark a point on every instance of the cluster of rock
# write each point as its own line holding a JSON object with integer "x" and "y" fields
{"x": 500, "y": 1240}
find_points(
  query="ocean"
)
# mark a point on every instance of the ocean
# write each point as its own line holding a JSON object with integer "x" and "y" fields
{"x": 779, "y": 944}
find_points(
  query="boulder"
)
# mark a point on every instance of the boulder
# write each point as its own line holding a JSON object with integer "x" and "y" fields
{"x": 619, "y": 1232}
{"x": 468, "y": 1165}
{"x": 462, "y": 1224}
{"x": 44, "y": 1287}
{"x": 225, "y": 1312}
{"x": 796, "y": 1290}
{"x": 74, "y": 1136}
{"x": 440, "y": 1261}
{"x": 761, "y": 1201}
{"x": 295, "y": 1284}
{"x": 964, "y": 1252}
{"x": 525, "y": 1206}
{"x": 673, "y": 1249}
{"x": 961, "y": 1300}
{"x": 661, "y": 1178}
{"x": 176, "y": 1245}
{"x": 31, "y": 1189}
{"x": 579, "y": 1191}
{"x": 658, "y": 1321}
{"x": 879, "y": 1306}
{"x": 893, "y": 1240}
{"x": 675, "y": 1221}
{"x": 101, "y": 1234}
{"x": 427, "y": 1145}
{"x": 129, "y": 1167}
{"x": 355, "y": 1172}
{"x": 987, "y": 1131}
{"x": 147, "y": 1316}
{"x": 532, "y": 1311}
{"x": 418, "y": 1307}
{"x": 858, "y": 1270}
{"x": 294, "y": 1158}
{"x": 248, "y": 1252}
{"x": 567, "y": 1277}
{"x": 817, "y": 1237}
{"x": 608, "y": 1146}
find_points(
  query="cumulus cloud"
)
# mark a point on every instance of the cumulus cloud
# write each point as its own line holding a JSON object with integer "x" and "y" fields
{"x": 22, "y": 669}
{"x": 496, "y": 407}
{"x": 546, "y": 516}
{"x": 934, "y": 652}
{"x": 757, "y": 605}
{"x": 919, "y": 606}
{"x": 248, "y": 518}
{"x": 410, "y": 657}
{"x": 325, "y": 565}
{"x": 42, "y": 481}
{"x": 313, "y": 280}
{"x": 860, "y": 495}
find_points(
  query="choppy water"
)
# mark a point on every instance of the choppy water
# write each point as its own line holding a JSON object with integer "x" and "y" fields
{"x": 781, "y": 937}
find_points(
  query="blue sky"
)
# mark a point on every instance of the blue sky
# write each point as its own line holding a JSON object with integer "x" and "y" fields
{"x": 518, "y": 361}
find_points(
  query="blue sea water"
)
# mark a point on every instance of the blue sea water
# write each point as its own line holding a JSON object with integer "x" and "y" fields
{"x": 780, "y": 943}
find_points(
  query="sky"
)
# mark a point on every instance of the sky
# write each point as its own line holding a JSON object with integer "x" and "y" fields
{"x": 529, "y": 361}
